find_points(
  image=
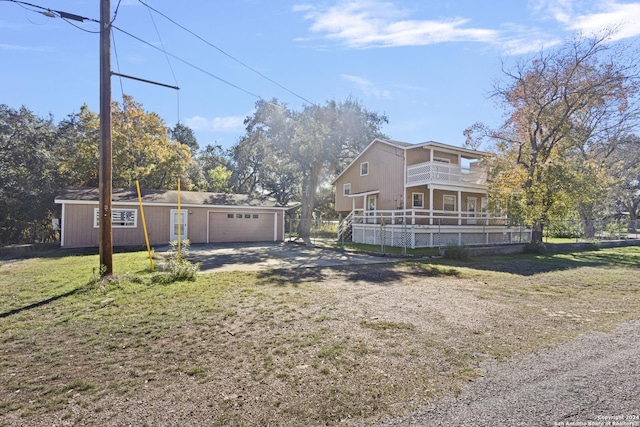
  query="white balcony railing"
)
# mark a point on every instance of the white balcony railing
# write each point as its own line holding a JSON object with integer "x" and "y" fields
{"x": 444, "y": 173}
{"x": 428, "y": 217}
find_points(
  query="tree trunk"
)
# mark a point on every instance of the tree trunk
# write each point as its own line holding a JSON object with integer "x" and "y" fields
{"x": 588, "y": 225}
{"x": 308, "y": 203}
{"x": 536, "y": 232}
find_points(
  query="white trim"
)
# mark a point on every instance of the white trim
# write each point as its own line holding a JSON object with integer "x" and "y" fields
{"x": 188, "y": 205}
{"x": 275, "y": 226}
{"x": 364, "y": 193}
{"x": 62, "y": 227}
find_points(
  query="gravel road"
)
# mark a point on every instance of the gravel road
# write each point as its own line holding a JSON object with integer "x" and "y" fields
{"x": 591, "y": 381}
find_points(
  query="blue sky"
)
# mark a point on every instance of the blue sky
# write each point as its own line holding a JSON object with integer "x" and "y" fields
{"x": 428, "y": 65}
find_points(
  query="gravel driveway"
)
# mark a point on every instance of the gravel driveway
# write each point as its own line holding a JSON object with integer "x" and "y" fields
{"x": 265, "y": 256}
{"x": 591, "y": 381}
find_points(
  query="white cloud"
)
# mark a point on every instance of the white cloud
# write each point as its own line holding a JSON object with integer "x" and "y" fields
{"x": 16, "y": 47}
{"x": 217, "y": 124}
{"x": 623, "y": 17}
{"x": 373, "y": 23}
{"x": 367, "y": 87}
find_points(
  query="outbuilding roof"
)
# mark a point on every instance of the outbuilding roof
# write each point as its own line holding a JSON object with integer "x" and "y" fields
{"x": 166, "y": 197}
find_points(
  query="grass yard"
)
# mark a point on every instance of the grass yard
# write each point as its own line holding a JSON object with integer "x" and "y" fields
{"x": 307, "y": 347}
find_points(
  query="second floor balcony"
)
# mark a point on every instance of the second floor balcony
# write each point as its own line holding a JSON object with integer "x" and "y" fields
{"x": 445, "y": 173}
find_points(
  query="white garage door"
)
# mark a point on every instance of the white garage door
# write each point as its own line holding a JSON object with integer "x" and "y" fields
{"x": 240, "y": 227}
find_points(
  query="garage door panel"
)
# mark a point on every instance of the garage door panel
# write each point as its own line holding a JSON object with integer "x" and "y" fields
{"x": 224, "y": 229}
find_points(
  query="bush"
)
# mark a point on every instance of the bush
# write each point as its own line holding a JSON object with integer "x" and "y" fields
{"x": 455, "y": 251}
{"x": 535, "y": 248}
{"x": 177, "y": 267}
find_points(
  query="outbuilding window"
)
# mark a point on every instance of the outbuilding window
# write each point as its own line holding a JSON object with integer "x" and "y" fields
{"x": 364, "y": 168}
{"x": 120, "y": 218}
{"x": 346, "y": 189}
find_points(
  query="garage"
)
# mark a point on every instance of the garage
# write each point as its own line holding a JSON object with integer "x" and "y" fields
{"x": 242, "y": 226}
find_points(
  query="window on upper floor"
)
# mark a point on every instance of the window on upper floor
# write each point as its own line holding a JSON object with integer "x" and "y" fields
{"x": 346, "y": 189}
{"x": 418, "y": 200}
{"x": 449, "y": 202}
{"x": 364, "y": 168}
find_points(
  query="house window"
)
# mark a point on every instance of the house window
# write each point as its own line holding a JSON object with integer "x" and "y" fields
{"x": 120, "y": 218}
{"x": 449, "y": 202}
{"x": 418, "y": 200}
{"x": 364, "y": 168}
{"x": 346, "y": 189}
{"x": 247, "y": 216}
{"x": 255, "y": 216}
{"x": 230, "y": 216}
{"x": 238, "y": 216}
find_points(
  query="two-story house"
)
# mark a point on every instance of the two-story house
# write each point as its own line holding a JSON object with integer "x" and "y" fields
{"x": 419, "y": 195}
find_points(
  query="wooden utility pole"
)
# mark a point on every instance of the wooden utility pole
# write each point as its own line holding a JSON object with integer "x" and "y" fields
{"x": 105, "y": 155}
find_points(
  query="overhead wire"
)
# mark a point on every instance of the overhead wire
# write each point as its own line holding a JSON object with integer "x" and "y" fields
{"x": 184, "y": 61}
{"x": 66, "y": 16}
{"x": 175, "y": 80}
{"x": 227, "y": 54}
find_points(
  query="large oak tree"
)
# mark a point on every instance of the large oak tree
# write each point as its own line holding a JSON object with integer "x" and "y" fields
{"x": 563, "y": 107}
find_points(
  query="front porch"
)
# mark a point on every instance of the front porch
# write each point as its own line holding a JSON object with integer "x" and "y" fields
{"x": 427, "y": 228}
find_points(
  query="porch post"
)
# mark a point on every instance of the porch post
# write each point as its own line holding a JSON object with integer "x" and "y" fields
{"x": 459, "y": 207}
{"x": 431, "y": 205}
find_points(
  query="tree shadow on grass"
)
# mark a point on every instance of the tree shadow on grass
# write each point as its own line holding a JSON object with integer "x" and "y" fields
{"x": 44, "y": 302}
{"x": 532, "y": 264}
{"x": 382, "y": 274}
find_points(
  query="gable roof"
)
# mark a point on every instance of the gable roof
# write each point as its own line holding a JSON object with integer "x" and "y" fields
{"x": 408, "y": 146}
{"x": 166, "y": 197}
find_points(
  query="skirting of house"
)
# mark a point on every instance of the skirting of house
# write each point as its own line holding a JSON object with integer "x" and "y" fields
{"x": 430, "y": 236}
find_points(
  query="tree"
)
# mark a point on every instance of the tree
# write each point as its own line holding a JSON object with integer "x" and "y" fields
{"x": 303, "y": 147}
{"x": 626, "y": 191}
{"x": 28, "y": 176}
{"x": 143, "y": 151}
{"x": 563, "y": 102}
{"x": 78, "y": 137}
{"x": 213, "y": 168}
{"x": 185, "y": 136}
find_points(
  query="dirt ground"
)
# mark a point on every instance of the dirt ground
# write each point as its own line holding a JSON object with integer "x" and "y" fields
{"x": 322, "y": 346}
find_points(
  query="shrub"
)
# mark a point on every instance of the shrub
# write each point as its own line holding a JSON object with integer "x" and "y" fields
{"x": 177, "y": 267}
{"x": 535, "y": 248}
{"x": 455, "y": 251}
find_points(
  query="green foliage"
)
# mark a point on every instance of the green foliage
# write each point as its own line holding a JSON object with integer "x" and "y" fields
{"x": 29, "y": 178}
{"x": 456, "y": 252}
{"x": 177, "y": 267}
{"x": 565, "y": 108}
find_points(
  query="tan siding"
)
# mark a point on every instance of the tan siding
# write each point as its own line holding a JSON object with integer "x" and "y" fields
{"x": 78, "y": 226}
{"x": 386, "y": 174}
{"x": 79, "y": 231}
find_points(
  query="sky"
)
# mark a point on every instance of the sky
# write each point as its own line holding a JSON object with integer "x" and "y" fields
{"x": 429, "y": 66}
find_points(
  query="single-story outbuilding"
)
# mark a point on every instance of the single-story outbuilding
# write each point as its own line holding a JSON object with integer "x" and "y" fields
{"x": 203, "y": 217}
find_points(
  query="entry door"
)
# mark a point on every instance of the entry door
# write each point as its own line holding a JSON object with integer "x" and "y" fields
{"x": 178, "y": 223}
{"x": 371, "y": 208}
{"x": 471, "y": 210}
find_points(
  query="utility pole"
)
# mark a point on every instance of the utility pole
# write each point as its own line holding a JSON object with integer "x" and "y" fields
{"x": 105, "y": 155}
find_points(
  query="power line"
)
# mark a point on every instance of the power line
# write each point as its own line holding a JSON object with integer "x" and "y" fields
{"x": 228, "y": 54}
{"x": 190, "y": 64}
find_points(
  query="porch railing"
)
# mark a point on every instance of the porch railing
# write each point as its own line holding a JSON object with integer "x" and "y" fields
{"x": 427, "y": 217}
{"x": 438, "y": 172}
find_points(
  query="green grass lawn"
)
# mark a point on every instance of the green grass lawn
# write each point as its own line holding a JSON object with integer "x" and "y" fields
{"x": 304, "y": 347}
